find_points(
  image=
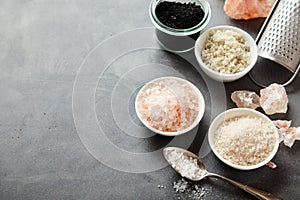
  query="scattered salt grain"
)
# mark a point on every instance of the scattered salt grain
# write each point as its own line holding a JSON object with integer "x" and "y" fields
{"x": 180, "y": 186}
{"x": 161, "y": 186}
{"x": 272, "y": 165}
{"x": 193, "y": 191}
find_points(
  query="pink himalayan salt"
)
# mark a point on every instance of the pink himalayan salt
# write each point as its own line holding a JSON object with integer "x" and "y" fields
{"x": 284, "y": 124}
{"x": 168, "y": 105}
{"x": 245, "y": 99}
{"x": 272, "y": 165}
{"x": 287, "y": 134}
{"x": 247, "y": 9}
{"x": 291, "y": 136}
{"x": 273, "y": 99}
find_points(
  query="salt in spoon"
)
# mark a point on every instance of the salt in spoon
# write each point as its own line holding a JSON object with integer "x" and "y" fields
{"x": 192, "y": 168}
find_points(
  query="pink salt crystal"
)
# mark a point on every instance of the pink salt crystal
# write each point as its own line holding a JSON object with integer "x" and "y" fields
{"x": 291, "y": 135}
{"x": 273, "y": 99}
{"x": 287, "y": 134}
{"x": 283, "y": 124}
{"x": 272, "y": 165}
{"x": 282, "y": 133}
{"x": 247, "y": 9}
{"x": 245, "y": 99}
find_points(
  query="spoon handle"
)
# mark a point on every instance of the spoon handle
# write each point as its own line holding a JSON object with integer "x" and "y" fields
{"x": 260, "y": 194}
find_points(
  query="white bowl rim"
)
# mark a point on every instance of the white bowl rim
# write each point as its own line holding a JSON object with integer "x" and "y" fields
{"x": 196, "y": 121}
{"x": 253, "y": 112}
{"x": 254, "y": 54}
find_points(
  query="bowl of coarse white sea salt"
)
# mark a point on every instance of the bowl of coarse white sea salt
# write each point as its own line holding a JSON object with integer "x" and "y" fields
{"x": 243, "y": 138}
{"x": 170, "y": 106}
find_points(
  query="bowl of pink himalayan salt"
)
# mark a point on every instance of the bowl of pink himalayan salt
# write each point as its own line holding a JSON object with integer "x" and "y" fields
{"x": 169, "y": 106}
{"x": 243, "y": 138}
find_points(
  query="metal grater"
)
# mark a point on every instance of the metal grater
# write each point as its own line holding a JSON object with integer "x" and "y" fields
{"x": 279, "y": 38}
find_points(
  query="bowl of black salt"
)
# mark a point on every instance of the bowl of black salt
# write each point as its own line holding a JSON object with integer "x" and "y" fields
{"x": 179, "y": 22}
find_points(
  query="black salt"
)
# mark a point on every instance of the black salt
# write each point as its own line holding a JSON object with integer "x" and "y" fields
{"x": 179, "y": 15}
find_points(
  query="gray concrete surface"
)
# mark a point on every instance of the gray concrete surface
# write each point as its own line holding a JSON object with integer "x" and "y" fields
{"x": 42, "y": 45}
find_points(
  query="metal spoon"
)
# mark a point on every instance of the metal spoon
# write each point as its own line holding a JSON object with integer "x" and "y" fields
{"x": 202, "y": 173}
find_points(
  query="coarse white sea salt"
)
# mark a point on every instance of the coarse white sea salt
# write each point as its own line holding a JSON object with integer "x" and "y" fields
{"x": 168, "y": 105}
{"x": 245, "y": 140}
{"x": 186, "y": 166}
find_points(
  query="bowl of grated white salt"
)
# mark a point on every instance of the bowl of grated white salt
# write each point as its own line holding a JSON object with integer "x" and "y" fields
{"x": 225, "y": 53}
{"x": 243, "y": 138}
{"x": 170, "y": 106}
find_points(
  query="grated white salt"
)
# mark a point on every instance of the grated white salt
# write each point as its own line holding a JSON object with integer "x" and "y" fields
{"x": 245, "y": 140}
{"x": 226, "y": 51}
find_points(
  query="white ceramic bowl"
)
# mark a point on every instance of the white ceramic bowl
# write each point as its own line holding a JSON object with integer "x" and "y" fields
{"x": 218, "y": 121}
{"x": 196, "y": 121}
{"x": 199, "y": 45}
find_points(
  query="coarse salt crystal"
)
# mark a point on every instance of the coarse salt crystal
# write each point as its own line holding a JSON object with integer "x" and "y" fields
{"x": 287, "y": 134}
{"x": 245, "y": 99}
{"x": 273, "y": 99}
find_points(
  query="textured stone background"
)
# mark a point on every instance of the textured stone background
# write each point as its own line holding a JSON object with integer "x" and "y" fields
{"x": 42, "y": 44}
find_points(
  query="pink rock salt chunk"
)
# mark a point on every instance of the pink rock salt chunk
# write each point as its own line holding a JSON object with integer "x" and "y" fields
{"x": 273, "y": 99}
{"x": 245, "y": 99}
{"x": 283, "y": 124}
{"x": 287, "y": 134}
{"x": 291, "y": 135}
{"x": 247, "y": 9}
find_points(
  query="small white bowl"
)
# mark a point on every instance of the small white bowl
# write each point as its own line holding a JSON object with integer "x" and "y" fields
{"x": 235, "y": 112}
{"x": 196, "y": 121}
{"x": 199, "y": 45}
